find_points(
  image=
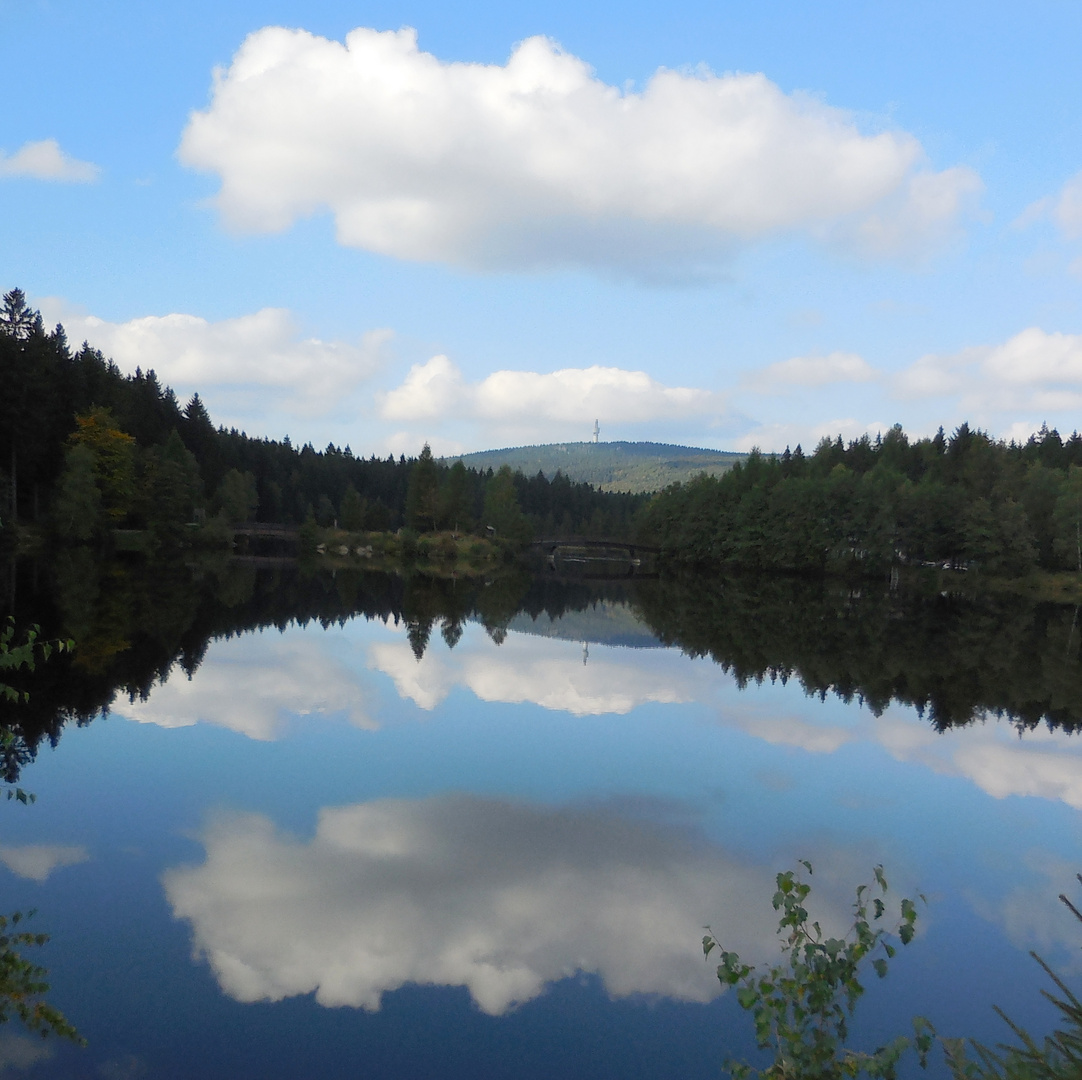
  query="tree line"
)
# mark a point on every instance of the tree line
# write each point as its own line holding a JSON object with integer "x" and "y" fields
{"x": 85, "y": 449}
{"x": 967, "y": 501}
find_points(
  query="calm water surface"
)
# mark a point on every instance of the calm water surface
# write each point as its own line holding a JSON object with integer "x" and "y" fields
{"x": 322, "y": 857}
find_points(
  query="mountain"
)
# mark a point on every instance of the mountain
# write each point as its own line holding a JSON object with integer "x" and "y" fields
{"x": 609, "y": 466}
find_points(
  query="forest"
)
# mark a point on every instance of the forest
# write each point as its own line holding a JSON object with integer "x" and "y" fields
{"x": 964, "y": 502}
{"x": 86, "y": 449}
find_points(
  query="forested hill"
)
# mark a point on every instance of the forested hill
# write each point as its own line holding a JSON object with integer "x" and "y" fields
{"x": 609, "y": 466}
{"x": 86, "y": 450}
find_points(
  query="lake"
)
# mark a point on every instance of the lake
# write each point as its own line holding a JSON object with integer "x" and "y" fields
{"x": 361, "y": 825}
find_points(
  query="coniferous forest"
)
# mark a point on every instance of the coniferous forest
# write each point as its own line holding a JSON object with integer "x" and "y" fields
{"x": 85, "y": 449}
{"x": 963, "y": 502}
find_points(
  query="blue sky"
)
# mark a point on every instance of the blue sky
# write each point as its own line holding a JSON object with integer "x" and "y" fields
{"x": 718, "y": 224}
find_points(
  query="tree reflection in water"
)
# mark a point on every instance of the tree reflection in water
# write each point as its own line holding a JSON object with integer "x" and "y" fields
{"x": 954, "y": 657}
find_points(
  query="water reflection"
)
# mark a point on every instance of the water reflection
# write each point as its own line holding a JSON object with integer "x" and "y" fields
{"x": 36, "y": 862}
{"x": 252, "y": 685}
{"x": 422, "y": 782}
{"x": 18, "y": 1053}
{"x": 258, "y": 685}
{"x": 1047, "y": 763}
{"x": 542, "y": 672}
{"x": 954, "y": 657}
{"x": 498, "y": 896}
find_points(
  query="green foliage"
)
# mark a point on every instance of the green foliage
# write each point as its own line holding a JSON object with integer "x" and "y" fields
{"x": 325, "y": 511}
{"x": 408, "y": 543}
{"x": 15, "y": 656}
{"x": 502, "y": 511}
{"x": 308, "y": 535}
{"x": 801, "y": 1008}
{"x": 171, "y": 487}
{"x": 77, "y": 508}
{"x": 23, "y": 983}
{"x": 236, "y": 498}
{"x": 968, "y": 502}
{"x": 1058, "y": 1057}
{"x": 456, "y": 499}
{"x": 17, "y": 318}
{"x": 352, "y": 513}
{"x": 1067, "y": 519}
{"x": 423, "y": 493}
{"x": 24, "y": 654}
{"x": 52, "y": 398}
{"x": 114, "y": 460}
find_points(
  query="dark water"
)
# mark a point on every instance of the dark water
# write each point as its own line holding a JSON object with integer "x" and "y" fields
{"x": 366, "y": 825}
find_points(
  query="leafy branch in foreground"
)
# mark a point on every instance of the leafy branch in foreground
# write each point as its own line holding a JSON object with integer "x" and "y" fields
{"x": 801, "y": 1008}
{"x": 22, "y": 983}
{"x": 24, "y": 654}
{"x": 13, "y": 657}
{"x": 1058, "y": 1058}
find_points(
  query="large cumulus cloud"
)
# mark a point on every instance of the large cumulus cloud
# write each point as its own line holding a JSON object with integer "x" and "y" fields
{"x": 538, "y": 162}
{"x": 252, "y": 362}
{"x": 517, "y": 406}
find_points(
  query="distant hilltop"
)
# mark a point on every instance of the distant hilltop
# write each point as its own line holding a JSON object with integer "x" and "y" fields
{"x": 609, "y": 466}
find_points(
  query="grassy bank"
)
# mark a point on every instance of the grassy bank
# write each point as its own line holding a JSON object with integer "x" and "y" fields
{"x": 433, "y": 553}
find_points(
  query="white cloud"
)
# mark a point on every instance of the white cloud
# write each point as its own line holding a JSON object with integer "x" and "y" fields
{"x": 499, "y": 897}
{"x": 1065, "y": 209}
{"x": 1034, "y": 372}
{"x": 538, "y": 162}
{"x": 811, "y": 371}
{"x": 775, "y": 437}
{"x": 232, "y": 360}
{"x": 519, "y": 404}
{"x": 45, "y": 160}
{"x": 37, "y": 861}
{"x": 920, "y": 217}
{"x": 251, "y": 684}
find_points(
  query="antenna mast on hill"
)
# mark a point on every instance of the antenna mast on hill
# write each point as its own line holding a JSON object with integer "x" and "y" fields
{"x": 597, "y": 430}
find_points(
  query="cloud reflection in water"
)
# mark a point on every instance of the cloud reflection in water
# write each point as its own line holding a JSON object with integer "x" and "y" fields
{"x": 499, "y": 897}
{"x": 249, "y": 684}
{"x": 542, "y": 672}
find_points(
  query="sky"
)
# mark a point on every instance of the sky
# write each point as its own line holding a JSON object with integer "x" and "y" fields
{"x": 717, "y": 224}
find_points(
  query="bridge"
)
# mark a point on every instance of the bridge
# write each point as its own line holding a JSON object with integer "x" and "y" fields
{"x": 266, "y": 530}
{"x": 633, "y": 549}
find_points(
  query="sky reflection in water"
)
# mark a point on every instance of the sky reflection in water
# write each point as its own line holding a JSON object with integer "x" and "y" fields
{"x": 319, "y": 813}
